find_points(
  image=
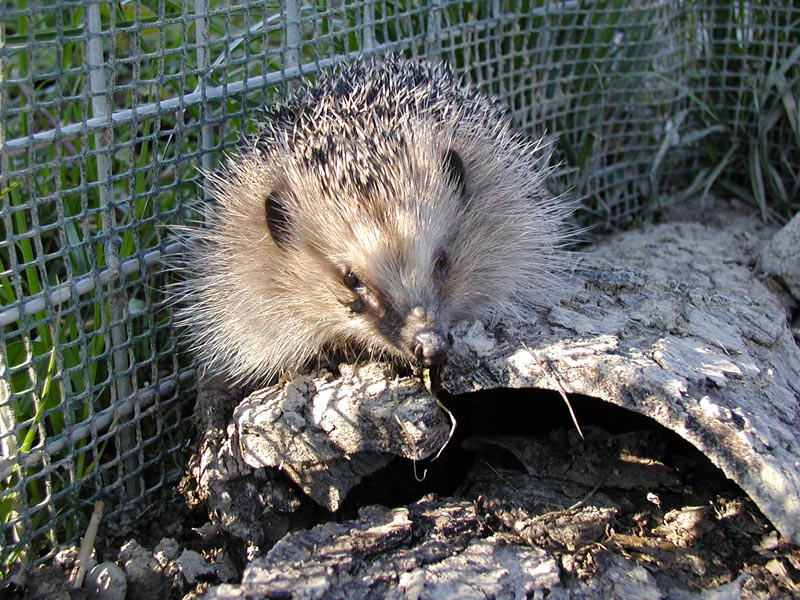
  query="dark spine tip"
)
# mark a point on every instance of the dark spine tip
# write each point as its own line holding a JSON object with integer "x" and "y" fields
{"x": 277, "y": 216}
{"x": 454, "y": 170}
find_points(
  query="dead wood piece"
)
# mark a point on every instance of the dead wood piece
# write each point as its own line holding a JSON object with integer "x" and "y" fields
{"x": 250, "y": 504}
{"x": 441, "y": 550}
{"x": 322, "y": 433}
{"x": 356, "y": 555}
{"x": 672, "y": 324}
{"x": 781, "y": 256}
{"x": 428, "y": 550}
{"x": 326, "y": 434}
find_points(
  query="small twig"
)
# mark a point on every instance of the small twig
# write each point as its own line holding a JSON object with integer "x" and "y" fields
{"x": 500, "y": 476}
{"x": 453, "y": 424}
{"x": 410, "y": 441}
{"x": 429, "y": 386}
{"x": 417, "y": 476}
{"x": 561, "y": 389}
{"x": 87, "y": 545}
{"x": 587, "y": 496}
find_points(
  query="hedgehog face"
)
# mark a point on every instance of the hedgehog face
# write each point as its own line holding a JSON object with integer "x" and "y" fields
{"x": 400, "y": 299}
{"x": 386, "y": 266}
{"x": 400, "y": 284}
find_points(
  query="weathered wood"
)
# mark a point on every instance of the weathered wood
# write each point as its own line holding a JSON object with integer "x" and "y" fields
{"x": 322, "y": 433}
{"x": 327, "y": 433}
{"x": 781, "y": 256}
{"x": 673, "y": 324}
{"x": 443, "y": 550}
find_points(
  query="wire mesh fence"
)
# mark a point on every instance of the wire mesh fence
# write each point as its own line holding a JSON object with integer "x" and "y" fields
{"x": 110, "y": 108}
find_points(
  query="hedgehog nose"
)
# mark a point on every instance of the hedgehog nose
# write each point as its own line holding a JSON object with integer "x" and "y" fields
{"x": 430, "y": 347}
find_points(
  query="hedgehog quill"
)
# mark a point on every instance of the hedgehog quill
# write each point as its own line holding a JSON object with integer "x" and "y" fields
{"x": 374, "y": 209}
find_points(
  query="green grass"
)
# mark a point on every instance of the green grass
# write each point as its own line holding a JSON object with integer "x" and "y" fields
{"x": 743, "y": 108}
{"x": 60, "y": 362}
{"x": 57, "y": 361}
{"x": 629, "y": 137}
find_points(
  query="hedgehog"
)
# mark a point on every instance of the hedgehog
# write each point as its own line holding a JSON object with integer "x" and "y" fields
{"x": 372, "y": 210}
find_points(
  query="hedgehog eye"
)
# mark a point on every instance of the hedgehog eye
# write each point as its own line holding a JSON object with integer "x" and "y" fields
{"x": 454, "y": 170}
{"x": 351, "y": 280}
{"x": 440, "y": 265}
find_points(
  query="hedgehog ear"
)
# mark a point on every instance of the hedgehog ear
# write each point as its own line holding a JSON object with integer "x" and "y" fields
{"x": 276, "y": 210}
{"x": 454, "y": 170}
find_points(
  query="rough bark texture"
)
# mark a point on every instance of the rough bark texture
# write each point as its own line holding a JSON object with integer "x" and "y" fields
{"x": 325, "y": 434}
{"x": 672, "y": 326}
{"x": 781, "y": 256}
{"x": 321, "y": 434}
{"x": 449, "y": 550}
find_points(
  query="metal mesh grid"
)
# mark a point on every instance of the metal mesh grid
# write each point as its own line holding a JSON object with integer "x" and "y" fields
{"x": 109, "y": 108}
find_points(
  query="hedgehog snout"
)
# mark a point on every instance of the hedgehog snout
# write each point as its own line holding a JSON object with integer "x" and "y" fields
{"x": 430, "y": 346}
{"x": 428, "y": 334}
